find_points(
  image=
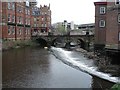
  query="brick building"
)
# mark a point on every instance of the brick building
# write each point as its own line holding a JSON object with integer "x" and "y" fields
{"x": 107, "y": 25}
{"x": 41, "y": 19}
{"x": 0, "y": 20}
{"x": 16, "y": 20}
{"x": 113, "y": 26}
{"x": 45, "y": 18}
{"x": 100, "y": 24}
{"x": 35, "y": 20}
{"x": 107, "y": 28}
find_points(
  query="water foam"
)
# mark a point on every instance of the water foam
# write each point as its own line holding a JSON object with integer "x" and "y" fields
{"x": 66, "y": 57}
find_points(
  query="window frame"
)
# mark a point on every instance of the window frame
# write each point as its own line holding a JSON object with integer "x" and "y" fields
{"x": 100, "y": 23}
{"x": 118, "y": 18}
{"x": 13, "y": 18}
{"x": 9, "y": 18}
{"x": 13, "y": 30}
{"x": 13, "y": 6}
{"x": 9, "y": 30}
{"x": 9, "y": 5}
{"x": 119, "y": 36}
{"x": 102, "y": 10}
{"x": 20, "y": 31}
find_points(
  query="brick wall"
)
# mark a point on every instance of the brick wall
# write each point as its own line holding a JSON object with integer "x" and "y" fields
{"x": 100, "y": 32}
{"x": 109, "y": 35}
{"x": 0, "y": 19}
{"x": 17, "y": 21}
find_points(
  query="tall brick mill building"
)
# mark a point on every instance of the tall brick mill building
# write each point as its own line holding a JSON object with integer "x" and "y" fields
{"x": 41, "y": 19}
{"x": 16, "y": 20}
{"x": 0, "y": 20}
{"x": 19, "y": 21}
{"x": 107, "y": 27}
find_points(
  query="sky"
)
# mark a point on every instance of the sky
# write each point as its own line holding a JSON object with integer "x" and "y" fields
{"x": 78, "y": 11}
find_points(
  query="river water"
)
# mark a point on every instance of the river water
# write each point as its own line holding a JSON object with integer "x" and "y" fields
{"x": 39, "y": 68}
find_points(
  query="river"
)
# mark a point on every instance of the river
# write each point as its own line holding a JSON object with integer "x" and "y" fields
{"x": 40, "y": 68}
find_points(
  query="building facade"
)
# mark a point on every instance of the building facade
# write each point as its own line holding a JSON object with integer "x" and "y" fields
{"x": 16, "y": 20}
{"x": 0, "y": 20}
{"x": 41, "y": 20}
{"x": 35, "y": 20}
{"x": 84, "y": 28}
{"x": 100, "y": 24}
{"x": 107, "y": 25}
{"x": 113, "y": 26}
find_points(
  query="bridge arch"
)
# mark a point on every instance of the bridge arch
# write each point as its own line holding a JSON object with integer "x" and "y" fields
{"x": 81, "y": 42}
{"x": 42, "y": 42}
{"x": 57, "y": 41}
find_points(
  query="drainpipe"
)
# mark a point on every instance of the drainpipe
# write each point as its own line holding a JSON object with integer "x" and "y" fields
{"x": 15, "y": 21}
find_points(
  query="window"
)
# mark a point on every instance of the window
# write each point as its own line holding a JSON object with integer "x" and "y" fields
{"x": 13, "y": 30}
{"x": 9, "y": 5}
{"x": 119, "y": 36}
{"x": 8, "y": 17}
{"x": 45, "y": 25}
{"x": 35, "y": 25}
{"x": 28, "y": 21}
{"x": 102, "y": 10}
{"x": 102, "y": 23}
{"x": 26, "y": 31}
{"x": 19, "y": 9}
{"x": 13, "y": 18}
{"x": 27, "y": 3}
{"x": 13, "y": 6}
{"x": 42, "y": 19}
{"x": 35, "y": 19}
{"x": 42, "y": 25}
{"x": 45, "y": 13}
{"x": 9, "y": 31}
{"x": 117, "y": 2}
{"x": 28, "y": 12}
{"x": 118, "y": 18}
{"x": 20, "y": 31}
{"x": 19, "y": 20}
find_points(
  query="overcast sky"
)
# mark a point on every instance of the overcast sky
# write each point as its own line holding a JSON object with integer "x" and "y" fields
{"x": 78, "y": 11}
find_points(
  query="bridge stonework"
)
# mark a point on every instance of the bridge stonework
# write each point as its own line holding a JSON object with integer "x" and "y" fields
{"x": 50, "y": 39}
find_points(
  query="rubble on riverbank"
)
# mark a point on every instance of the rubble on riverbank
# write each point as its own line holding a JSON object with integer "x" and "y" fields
{"x": 103, "y": 63}
{"x": 10, "y": 44}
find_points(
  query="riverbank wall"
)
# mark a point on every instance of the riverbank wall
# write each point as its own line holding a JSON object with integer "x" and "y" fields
{"x": 12, "y": 44}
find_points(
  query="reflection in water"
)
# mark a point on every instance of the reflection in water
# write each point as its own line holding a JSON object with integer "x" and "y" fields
{"x": 22, "y": 67}
{"x": 38, "y": 68}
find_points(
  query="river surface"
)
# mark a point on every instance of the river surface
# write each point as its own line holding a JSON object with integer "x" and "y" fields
{"x": 39, "y": 68}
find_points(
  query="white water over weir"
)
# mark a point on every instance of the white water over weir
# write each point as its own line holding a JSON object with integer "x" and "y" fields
{"x": 78, "y": 61}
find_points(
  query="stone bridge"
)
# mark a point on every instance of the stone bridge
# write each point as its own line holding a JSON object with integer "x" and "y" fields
{"x": 63, "y": 40}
